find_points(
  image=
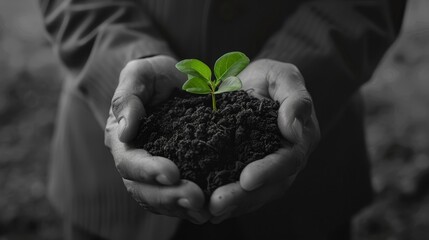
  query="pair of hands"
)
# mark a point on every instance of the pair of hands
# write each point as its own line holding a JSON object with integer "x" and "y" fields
{"x": 155, "y": 182}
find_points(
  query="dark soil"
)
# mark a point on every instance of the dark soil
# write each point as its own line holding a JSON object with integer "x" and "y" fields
{"x": 211, "y": 148}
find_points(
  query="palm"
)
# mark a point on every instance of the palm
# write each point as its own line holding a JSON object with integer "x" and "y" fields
{"x": 267, "y": 179}
{"x": 152, "y": 180}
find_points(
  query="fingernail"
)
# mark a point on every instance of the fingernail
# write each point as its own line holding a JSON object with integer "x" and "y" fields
{"x": 297, "y": 128}
{"x": 183, "y": 202}
{"x": 226, "y": 210}
{"x": 163, "y": 179}
{"x": 122, "y": 125}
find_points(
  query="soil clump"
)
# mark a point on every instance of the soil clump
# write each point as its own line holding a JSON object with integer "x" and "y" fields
{"x": 211, "y": 148}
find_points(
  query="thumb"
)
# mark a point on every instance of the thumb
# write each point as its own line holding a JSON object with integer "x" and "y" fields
{"x": 127, "y": 103}
{"x": 294, "y": 113}
{"x": 128, "y": 110}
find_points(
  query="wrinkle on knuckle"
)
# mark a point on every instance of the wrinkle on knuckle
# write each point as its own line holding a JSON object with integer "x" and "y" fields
{"x": 263, "y": 61}
{"x": 131, "y": 65}
{"x": 129, "y": 68}
{"x": 118, "y": 103}
{"x": 307, "y": 101}
{"x": 293, "y": 69}
{"x": 297, "y": 79}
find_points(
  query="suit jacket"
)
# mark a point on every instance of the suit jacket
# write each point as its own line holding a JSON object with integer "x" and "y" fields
{"x": 335, "y": 43}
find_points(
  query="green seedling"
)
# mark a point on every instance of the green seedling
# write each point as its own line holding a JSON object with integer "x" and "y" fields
{"x": 226, "y": 69}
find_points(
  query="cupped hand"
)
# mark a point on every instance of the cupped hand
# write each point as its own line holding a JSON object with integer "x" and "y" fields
{"x": 153, "y": 181}
{"x": 267, "y": 179}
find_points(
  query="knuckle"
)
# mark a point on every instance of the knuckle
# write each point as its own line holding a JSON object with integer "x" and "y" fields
{"x": 265, "y": 61}
{"x": 306, "y": 101}
{"x": 118, "y": 103}
{"x": 292, "y": 68}
{"x": 304, "y": 105}
{"x": 130, "y": 66}
{"x": 281, "y": 70}
{"x": 295, "y": 75}
{"x": 133, "y": 68}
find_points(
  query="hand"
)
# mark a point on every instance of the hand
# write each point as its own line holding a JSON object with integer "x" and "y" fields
{"x": 153, "y": 181}
{"x": 267, "y": 179}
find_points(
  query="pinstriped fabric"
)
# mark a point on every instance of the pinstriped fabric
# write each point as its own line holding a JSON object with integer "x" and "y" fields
{"x": 181, "y": 23}
{"x": 342, "y": 45}
{"x": 95, "y": 39}
{"x": 95, "y": 200}
{"x": 131, "y": 222}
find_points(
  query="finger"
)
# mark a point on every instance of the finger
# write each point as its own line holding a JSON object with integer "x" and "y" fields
{"x": 286, "y": 85}
{"x": 132, "y": 111}
{"x": 225, "y": 199}
{"x": 185, "y": 200}
{"x": 134, "y": 89}
{"x": 197, "y": 217}
{"x": 185, "y": 194}
{"x": 138, "y": 164}
{"x": 294, "y": 114}
{"x": 232, "y": 200}
{"x": 251, "y": 79}
{"x": 273, "y": 167}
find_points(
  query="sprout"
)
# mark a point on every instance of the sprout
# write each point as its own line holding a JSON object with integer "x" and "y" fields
{"x": 226, "y": 69}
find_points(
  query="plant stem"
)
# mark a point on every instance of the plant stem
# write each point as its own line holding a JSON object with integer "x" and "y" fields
{"x": 214, "y": 102}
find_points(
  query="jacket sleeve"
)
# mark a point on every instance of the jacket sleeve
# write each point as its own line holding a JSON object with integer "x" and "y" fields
{"x": 336, "y": 45}
{"x": 95, "y": 39}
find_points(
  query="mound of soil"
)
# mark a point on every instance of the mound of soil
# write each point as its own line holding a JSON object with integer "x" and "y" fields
{"x": 211, "y": 148}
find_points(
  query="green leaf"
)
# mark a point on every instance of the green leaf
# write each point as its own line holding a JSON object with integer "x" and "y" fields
{"x": 230, "y": 84}
{"x": 230, "y": 64}
{"x": 196, "y": 85}
{"x": 195, "y": 68}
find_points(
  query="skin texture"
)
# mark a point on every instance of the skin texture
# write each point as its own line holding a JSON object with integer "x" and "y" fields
{"x": 154, "y": 181}
{"x": 269, "y": 178}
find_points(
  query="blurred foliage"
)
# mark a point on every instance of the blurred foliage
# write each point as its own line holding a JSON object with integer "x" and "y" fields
{"x": 397, "y": 117}
{"x": 29, "y": 90}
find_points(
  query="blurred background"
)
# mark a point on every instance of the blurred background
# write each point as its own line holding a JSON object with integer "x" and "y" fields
{"x": 397, "y": 118}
